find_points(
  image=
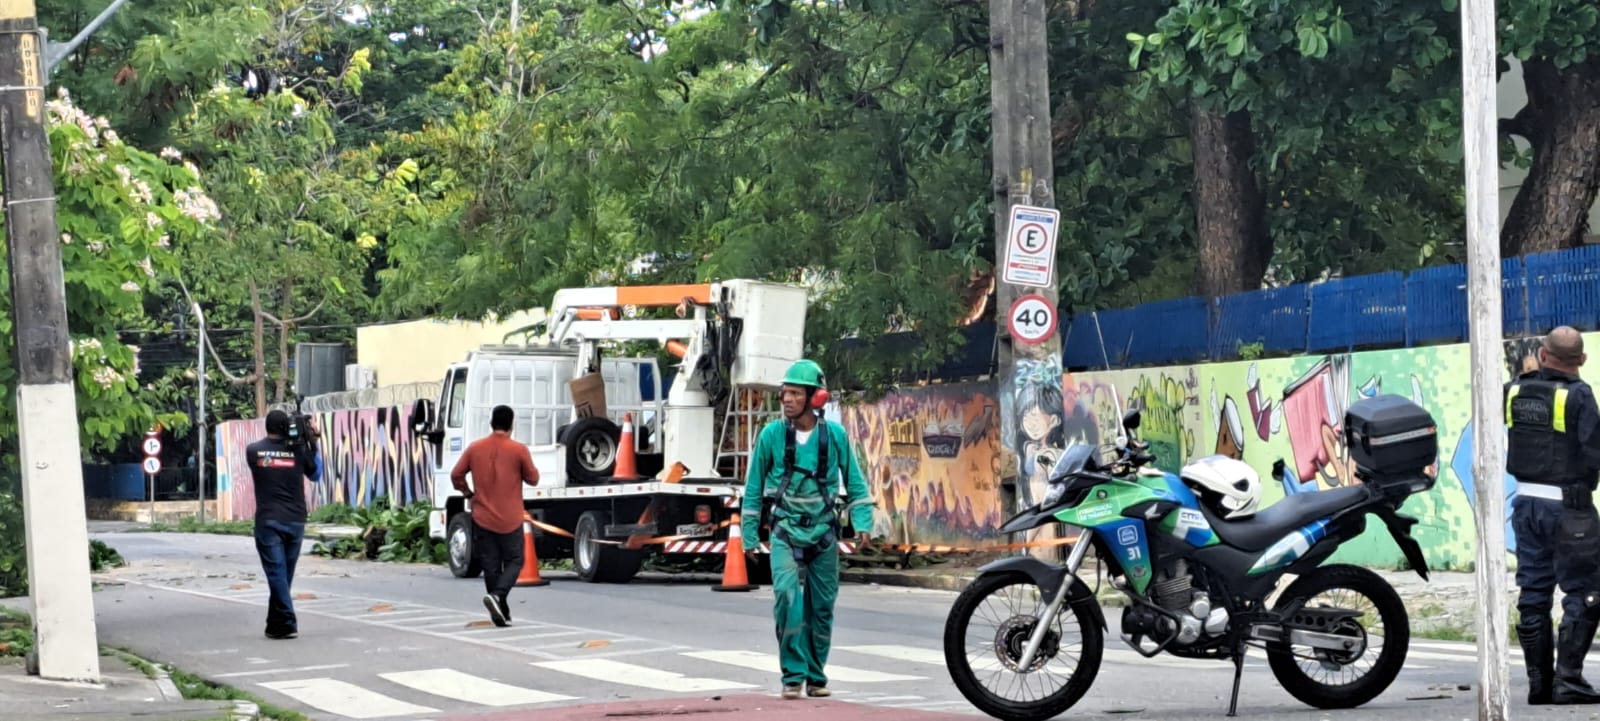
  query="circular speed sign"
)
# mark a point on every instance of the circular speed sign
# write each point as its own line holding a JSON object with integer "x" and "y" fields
{"x": 1032, "y": 319}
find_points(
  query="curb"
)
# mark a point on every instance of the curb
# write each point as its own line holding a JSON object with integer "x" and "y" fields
{"x": 169, "y": 690}
{"x": 245, "y": 711}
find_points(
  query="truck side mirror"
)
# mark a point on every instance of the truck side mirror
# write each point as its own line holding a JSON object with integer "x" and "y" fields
{"x": 1130, "y": 420}
{"x": 423, "y": 419}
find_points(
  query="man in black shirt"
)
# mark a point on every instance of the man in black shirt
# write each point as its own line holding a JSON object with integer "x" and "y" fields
{"x": 279, "y": 470}
{"x": 1553, "y": 451}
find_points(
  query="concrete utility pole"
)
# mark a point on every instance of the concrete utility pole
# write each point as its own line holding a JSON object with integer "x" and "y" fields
{"x": 1025, "y": 232}
{"x": 52, "y": 477}
{"x": 1480, "y": 118}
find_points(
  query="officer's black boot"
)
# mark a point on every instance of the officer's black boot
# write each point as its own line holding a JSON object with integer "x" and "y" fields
{"x": 1538, "y": 652}
{"x": 1570, "y": 688}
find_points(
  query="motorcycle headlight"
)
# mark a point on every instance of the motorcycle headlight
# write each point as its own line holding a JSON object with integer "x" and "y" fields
{"x": 1053, "y": 494}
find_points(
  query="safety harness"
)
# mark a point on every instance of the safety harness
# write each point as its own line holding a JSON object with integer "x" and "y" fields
{"x": 830, "y": 510}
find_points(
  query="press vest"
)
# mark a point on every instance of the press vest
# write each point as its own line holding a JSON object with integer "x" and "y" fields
{"x": 1540, "y": 449}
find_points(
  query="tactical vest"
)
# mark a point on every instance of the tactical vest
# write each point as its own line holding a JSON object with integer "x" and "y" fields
{"x": 1540, "y": 450}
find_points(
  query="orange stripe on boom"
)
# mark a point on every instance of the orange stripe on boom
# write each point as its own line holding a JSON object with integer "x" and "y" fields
{"x": 598, "y": 313}
{"x": 663, "y": 295}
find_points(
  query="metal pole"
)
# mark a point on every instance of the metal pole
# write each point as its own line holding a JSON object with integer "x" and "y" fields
{"x": 47, "y": 406}
{"x": 57, "y": 52}
{"x": 1480, "y": 118}
{"x": 200, "y": 408}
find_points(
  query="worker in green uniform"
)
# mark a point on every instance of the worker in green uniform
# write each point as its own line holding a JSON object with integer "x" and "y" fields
{"x": 795, "y": 473}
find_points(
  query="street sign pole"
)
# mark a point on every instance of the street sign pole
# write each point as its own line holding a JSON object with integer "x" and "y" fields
{"x": 1480, "y": 118}
{"x": 152, "y": 465}
{"x": 1029, "y": 362}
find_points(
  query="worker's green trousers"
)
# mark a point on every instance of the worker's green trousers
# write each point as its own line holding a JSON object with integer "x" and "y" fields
{"x": 804, "y": 611}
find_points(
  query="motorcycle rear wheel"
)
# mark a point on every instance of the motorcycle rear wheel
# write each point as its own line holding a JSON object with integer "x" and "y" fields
{"x": 1005, "y": 649}
{"x": 1390, "y": 611}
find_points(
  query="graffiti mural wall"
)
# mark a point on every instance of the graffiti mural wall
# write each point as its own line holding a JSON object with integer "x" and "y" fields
{"x": 366, "y": 454}
{"x": 1293, "y": 409}
{"x": 932, "y": 457}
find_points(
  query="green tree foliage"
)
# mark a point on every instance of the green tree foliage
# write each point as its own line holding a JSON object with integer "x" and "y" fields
{"x": 121, "y": 210}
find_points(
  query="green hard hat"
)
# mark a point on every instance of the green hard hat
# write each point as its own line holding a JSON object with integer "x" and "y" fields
{"x": 804, "y": 372}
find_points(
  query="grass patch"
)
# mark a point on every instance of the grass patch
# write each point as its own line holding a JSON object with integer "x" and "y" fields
{"x": 16, "y": 633}
{"x": 194, "y": 687}
{"x": 191, "y": 525}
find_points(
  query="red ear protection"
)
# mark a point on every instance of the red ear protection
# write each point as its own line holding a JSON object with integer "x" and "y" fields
{"x": 819, "y": 398}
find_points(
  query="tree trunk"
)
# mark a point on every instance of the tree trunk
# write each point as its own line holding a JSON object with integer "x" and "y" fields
{"x": 1229, "y": 210}
{"x": 285, "y": 312}
{"x": 260, "y": 350}
{"x": 1562, "y": 123}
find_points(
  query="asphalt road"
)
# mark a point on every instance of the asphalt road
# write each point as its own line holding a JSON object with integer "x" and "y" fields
{"x": 412, "y": 643}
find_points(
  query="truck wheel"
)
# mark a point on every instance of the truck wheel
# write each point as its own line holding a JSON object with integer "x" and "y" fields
{"x": 463, "y": 561}
{"x": 592, "y": 445}
{"x": 601, "y": 562}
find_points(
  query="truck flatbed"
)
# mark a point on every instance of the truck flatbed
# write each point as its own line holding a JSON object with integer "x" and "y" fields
{"x": 726, "y": 488}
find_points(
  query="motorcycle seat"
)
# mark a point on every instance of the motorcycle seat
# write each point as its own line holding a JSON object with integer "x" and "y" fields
{"x": 1280, "y": 519}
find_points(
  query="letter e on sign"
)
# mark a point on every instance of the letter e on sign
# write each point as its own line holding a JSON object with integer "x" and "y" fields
{"x": 1032, "y": 319}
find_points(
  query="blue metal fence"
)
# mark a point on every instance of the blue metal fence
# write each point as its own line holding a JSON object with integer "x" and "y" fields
{"x": 1387, "y": 309}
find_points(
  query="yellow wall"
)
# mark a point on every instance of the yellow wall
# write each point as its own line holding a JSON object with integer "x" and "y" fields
{"x": 419, "y": 351}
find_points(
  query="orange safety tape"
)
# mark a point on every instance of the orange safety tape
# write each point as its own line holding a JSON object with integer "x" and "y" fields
{"x": 914, "y": 547}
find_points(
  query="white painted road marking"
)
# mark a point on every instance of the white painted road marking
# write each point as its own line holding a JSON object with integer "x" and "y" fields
{"x": 301, "y": 669}
{"x": 345, "y": 699}
{"x": 451, "y": 683}
{"x": 910, "y": 654}
{"x": 632, "y": 675}
{"x": 769, "y": 663}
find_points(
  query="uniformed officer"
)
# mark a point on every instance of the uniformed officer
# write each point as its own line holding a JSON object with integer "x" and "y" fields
{"x": 1554, "y": 453}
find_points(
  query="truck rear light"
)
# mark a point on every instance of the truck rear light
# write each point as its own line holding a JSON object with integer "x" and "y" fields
{"x": 702, "y": 514}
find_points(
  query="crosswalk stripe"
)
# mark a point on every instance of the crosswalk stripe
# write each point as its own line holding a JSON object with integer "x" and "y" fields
{"x": 910, "y": 654}
{"x": 633, "y": 675}
{"x": 769, "y": 663}
{"x": 451, "y": 683}
{"x": 1433, "y": 656}
{"x": 345, "y": 699}
{"x": 1468, "y": 649}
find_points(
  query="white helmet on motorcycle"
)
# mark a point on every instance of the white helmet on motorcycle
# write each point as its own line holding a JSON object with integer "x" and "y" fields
{"x": 1230, "y": 487}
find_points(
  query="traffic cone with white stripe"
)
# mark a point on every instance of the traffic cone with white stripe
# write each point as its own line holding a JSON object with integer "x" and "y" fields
{"x": 627, "y": 466}
{"x": 734, "y": 576}
{"x": 530, "y": 560}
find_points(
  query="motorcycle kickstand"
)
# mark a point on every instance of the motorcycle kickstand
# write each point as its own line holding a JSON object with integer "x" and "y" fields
{"x": 1238, "y": 675}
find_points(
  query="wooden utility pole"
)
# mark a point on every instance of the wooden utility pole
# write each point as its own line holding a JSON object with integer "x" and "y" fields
{"x": 1025, "y": 237}
{"x": 1480, "y": 118}
{"x": 57, "y": 537}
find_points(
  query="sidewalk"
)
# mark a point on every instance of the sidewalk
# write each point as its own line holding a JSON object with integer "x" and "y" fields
{"x": 124, "y": 694}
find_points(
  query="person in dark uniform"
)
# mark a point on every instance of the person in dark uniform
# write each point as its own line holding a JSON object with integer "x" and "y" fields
{"x": 1554, "y": 452}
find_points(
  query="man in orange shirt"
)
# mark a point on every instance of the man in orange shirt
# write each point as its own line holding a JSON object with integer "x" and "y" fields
{"x": 499, "y": 466}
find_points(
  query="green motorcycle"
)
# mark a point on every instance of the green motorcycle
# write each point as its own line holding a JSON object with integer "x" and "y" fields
{"x": 1202, "y": 573}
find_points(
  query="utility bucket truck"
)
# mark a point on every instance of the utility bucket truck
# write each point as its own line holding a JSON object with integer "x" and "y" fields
{"x": 735, "y": 339}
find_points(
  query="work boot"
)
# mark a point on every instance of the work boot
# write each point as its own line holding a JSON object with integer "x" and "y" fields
{"x": 817, "y": 690}
{"x": 1570, "y": 687}
{"x": 791, "y": 691}
{"x": 1538, "y": 652}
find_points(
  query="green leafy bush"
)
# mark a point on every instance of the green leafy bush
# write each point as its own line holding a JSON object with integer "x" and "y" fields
{"x": 336, "y": 513}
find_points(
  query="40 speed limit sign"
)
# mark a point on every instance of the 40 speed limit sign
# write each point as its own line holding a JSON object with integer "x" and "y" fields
{"x": 1032, "y": 319}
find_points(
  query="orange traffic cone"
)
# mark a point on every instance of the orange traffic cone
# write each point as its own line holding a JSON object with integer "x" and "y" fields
{"x": 530, "y": 560}
{"x": 734, "y": 577}
{"x": 627, "y": 468}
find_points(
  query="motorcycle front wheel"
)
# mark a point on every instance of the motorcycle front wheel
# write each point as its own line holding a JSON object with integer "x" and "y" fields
{"x": 986, "y": 634}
